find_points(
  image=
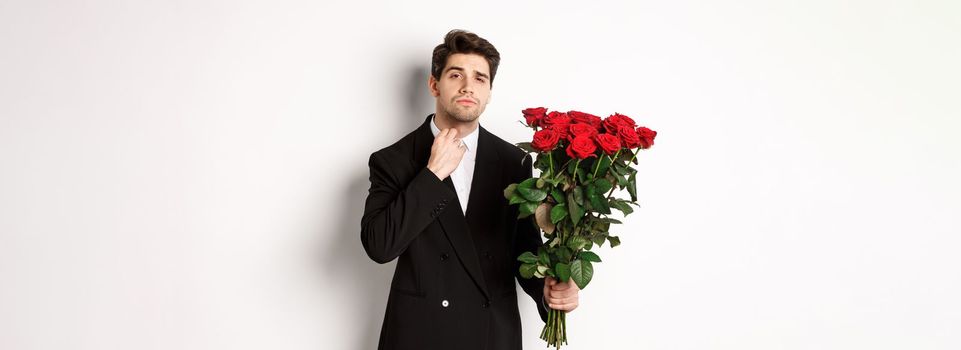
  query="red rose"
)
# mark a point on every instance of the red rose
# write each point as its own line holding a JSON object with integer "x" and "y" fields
{"x": 581, "y": 147}
{"x": 628, "y": 136}
{"x": 614, "y": 121}
{"x": 557, "y": 121}
{"x": 545, "y": 140}
{"x": 609, "y": 143}
{"x": 581, "y": 117}
{"x": 647, "y": 137}
{"x": 533, "y": 116}
{"x": 578, "y": 129}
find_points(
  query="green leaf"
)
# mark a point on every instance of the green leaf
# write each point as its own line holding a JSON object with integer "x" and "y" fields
{"x": 605, "y": 164}
{"x": 563, "y": 271}
{"x": 517, "y": 198}
{"x": 541, "y": 162}
{"x": 622, "y": 206}
{"x": 527, "y": 147}
{"x": 599, "y": 239}
{"x": 597, "y": 201}
{"x": 615, "y": 241}
{"x": 609, "y": 220}
{"x": 581, "y": 272}
{"x": 584, "y": 176}
{"x": 543, "y": 257}
{"x": 622, "y": 181}
{"x": 589, "y": 256}
{"x": 601, "y": 226}
{"x": 616, "y": 169}
{"x": 527, "y": 270}
{"x": 570, "y": 166}
{"x": 558, "y": 213}
{"x": 526, "y": 209}
{"x": 632, "y": 187}
{"x": 528, "y": 184}
{"x": 533, "y": 195}
{"x": 558, "y": 196}
{"x": 577, "y": 242}
{"x": 575, "y": 211}
{"x": 540, "y": 183}
{"x": 527, "y": 258}
{"x": 563, "y": 253}
{"x": 578, "y": 195}
{"x": 602, "y": 186}
{"x": 527, "y": 190}
{"x": 509, "y": 191}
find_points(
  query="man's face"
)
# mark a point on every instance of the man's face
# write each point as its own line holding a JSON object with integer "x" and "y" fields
{"x": 464, "y": 87}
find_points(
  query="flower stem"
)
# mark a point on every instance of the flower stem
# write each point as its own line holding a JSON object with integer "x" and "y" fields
{"x": 550, "y": 157}
{"x": 634, "y": 156}
{"x": 574, "y": 175}
{"x": 555, "y": 331}
{"x": 631, "y": 161}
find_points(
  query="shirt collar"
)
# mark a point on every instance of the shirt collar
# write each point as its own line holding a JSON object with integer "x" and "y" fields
{"x": 470, "y": 140}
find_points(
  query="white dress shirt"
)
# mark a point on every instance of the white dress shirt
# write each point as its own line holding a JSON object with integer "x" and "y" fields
{"x": 464, "y": 174}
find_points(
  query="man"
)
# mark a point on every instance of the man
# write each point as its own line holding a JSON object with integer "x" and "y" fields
{"x": 436, "y": 204}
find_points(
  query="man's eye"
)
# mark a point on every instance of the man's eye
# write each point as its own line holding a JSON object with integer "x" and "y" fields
{"x": 481, "y": 80}
{"x": 455, "y": 75}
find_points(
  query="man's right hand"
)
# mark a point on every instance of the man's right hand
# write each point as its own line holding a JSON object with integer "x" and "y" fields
{"x": 446, "y": 153}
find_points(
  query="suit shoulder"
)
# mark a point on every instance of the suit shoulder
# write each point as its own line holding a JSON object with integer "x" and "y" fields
{"x": 396, "y": 149}
{"x": 509, "y": 151}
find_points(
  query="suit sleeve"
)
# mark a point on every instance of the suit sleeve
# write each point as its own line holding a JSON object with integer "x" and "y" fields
{"x": 528, "y": 239}
{"x": 397, "y": 210}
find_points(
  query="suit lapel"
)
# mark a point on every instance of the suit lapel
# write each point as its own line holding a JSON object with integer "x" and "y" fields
{"x": 487, "y": 175}
{"x": 452, "y": 220}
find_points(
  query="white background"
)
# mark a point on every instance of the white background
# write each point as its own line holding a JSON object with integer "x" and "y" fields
{"x": 191, "y": 174}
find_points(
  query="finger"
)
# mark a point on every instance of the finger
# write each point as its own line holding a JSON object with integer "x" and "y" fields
{"x": 561, "y": 286}
{"x": 563, "y": 306}
{"x": 443, "y": 134}
{"x": 558, "y": 298}
{"x": 452, "y": 133}
{"x": 564, "y": 294}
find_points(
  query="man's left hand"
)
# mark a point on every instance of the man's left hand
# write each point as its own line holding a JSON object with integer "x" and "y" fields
{"x": 561, "y": 295}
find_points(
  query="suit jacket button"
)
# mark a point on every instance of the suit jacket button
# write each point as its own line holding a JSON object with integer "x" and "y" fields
{"x": 444, "y": 256}
{"x": 487, "y": 304}
{"x": 444, "y": 303}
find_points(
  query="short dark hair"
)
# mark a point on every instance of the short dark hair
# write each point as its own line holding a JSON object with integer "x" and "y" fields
{"x": 462, "y": 41}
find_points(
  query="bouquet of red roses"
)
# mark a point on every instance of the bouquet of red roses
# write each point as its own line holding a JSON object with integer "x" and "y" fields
{"x": 583, "y": 159}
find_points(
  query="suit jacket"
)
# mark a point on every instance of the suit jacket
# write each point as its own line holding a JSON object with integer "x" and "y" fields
{"x": 453, "y": 286}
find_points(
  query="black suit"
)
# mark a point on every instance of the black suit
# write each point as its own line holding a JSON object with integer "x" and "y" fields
{"x": 453, "y": 287}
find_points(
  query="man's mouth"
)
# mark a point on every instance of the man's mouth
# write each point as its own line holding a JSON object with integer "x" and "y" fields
{"x": 466, "y": 102}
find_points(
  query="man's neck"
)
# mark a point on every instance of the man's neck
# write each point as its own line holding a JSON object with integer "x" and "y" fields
{"x": 463, "y": 128}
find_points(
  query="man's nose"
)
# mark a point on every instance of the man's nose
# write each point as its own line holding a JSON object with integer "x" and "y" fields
{"x": 466, "y": 88}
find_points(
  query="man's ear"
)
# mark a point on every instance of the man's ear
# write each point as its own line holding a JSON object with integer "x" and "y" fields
{"x": 432, "y": 85}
